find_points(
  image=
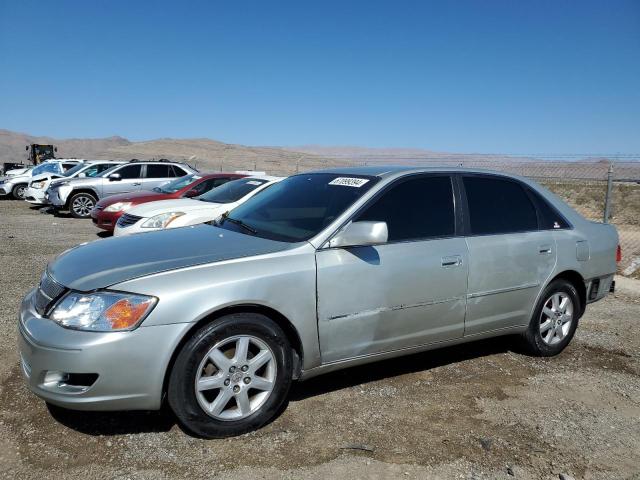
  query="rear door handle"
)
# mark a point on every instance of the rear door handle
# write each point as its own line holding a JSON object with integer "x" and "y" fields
{"x": 451, "y": 261}
{"x": 544, "y": 249}
{"x": 137, "y": 184}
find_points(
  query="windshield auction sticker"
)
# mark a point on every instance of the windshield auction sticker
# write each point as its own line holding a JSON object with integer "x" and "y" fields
{"x": 349, "y": 181}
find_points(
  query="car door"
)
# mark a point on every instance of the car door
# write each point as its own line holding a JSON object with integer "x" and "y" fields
{"x": 510, "y": 258}
{"x": 407, "y": 292}
{"x": 129, "y": 181}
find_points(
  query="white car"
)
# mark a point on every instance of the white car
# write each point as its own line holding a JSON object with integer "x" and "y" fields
{"x": 16, "y": 185}
{"x": 186, "y": 211}
{"x": 37, "y": 187}
{"x": 18, "y": 171}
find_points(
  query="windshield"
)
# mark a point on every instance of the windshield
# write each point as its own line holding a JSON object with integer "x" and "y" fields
{"x": 232, "y": 191}
{"x": 72, "y": 171}
{"x": 46, "y": 168}
{"x": 177, "y": 184}
{"x": 43, "y": 152}
{"x": 299, "y": 207}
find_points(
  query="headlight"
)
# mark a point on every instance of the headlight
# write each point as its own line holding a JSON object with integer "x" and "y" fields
{"x": 162, "y": 220}
{"x": 38, "y": 184}
{"x": 118, "y": 207}
{"x": 102, "y": 311}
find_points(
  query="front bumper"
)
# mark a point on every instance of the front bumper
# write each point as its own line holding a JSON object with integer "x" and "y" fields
{"x": 57, "y": 197}
{"x": 36, "y": 196}
{"x": 5, "y": 188}
{"x": 132, "y": 229}
{"x": 105, "y": 220}
{"x": 125, "y": 370}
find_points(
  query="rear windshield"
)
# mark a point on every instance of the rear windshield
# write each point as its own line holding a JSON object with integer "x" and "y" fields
{"x": 232, "y": 191}
{"x": 177, "y": 184}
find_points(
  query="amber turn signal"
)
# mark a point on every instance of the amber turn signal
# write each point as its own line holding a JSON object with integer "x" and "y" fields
{"x": 123, "y": 314}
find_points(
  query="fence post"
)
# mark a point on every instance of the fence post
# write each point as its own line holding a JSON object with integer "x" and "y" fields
{"x": 607, "y": 198}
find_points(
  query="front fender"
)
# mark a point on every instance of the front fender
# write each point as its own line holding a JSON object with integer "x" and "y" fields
{"x": 284, "y": 281}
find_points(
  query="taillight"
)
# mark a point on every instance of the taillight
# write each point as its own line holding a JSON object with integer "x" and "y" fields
{"x": 618, "y": 254}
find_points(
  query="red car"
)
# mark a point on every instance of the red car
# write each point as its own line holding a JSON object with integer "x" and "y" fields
{"x": 107, "y": 211}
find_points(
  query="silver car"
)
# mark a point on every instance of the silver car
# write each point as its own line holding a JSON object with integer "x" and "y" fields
{"x": 320, "y": 272}
{"x": 80, "y": 195}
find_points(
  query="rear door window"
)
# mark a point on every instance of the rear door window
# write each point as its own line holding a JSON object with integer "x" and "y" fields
{"x": 498, "y": 205}
{"x": 418, "y": 208}
{"x": 129, "y": 171}
{"x": 159, "y": 171}
{"x": 548, "y": 216}
{"x": 177, "y": 171}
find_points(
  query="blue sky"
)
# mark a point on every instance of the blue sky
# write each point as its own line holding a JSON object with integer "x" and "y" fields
{"x": 465, "y": 76}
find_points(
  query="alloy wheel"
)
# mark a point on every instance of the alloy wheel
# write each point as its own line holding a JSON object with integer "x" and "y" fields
{"x": 235, "y": 378}
{"x": 82, "y": 206}
{"x": 556, "y": 318}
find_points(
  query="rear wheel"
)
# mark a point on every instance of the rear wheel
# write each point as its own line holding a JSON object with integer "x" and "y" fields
{"x": 231, "y": 377}
{"x": 19, "y": 191}
{"x": 554, "y": 321}
{"x": 81, "y": 204}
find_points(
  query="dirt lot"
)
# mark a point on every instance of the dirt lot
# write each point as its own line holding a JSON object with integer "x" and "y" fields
{"x": 474, "y": 411}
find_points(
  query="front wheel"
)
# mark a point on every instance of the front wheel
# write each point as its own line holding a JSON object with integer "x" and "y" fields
{"x": 554, "y": 320}
{"x": 231, "y": 377}
{"x": 19, "y": 191}
{"x": 81, "y": 204}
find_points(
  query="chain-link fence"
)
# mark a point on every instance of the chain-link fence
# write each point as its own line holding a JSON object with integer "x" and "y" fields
{"x": 603, "y": 182}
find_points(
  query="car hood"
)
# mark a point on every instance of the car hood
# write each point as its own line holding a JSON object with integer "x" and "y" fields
{"x": 186, "y": 205}
{"x": 45, "y": 176}
{"x": 134, "y": 197}
{"x": 18, "y": 178}
{"x": 106, "y": 262}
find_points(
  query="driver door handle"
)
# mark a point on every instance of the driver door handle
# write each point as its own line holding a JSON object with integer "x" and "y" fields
{"x": 451, "y": 261}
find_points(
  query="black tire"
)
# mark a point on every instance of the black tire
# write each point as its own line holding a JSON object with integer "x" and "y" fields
{"x": 182, "y": 380}
{"x": 81, "y": 204}
{"x": 19, "y": 191}
{"x": 532, "y": 338}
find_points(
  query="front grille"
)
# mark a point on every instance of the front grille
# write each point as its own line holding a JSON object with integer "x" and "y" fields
{"x": 48, "y": 291}
{"x": 127, "y": 220}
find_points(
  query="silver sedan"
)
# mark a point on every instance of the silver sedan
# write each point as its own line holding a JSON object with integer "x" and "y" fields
{"x": 321, "y": 271}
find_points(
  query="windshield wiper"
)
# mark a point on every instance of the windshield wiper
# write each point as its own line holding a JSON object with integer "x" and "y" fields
{"x": 240, "y": 223}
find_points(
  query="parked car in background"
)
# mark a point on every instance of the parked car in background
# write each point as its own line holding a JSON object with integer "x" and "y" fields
{"x": 38, "y": 185}
{"x": 80, "y": 195}
{"x": 18, "y": 171}
{"x": 108, "y": 210}
{"x": 182, "y": 212}
{"x": 16, "y": 185}
{"x": 319, "y": 272}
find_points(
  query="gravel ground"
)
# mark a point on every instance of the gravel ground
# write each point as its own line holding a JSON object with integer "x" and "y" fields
{"x": 473, "y": 411}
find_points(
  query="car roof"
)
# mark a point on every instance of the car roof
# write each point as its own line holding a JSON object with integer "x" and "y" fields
{"x": 269, "y": 178}
{"x": 384, "y": 171}
{"x": 222, "y": 175}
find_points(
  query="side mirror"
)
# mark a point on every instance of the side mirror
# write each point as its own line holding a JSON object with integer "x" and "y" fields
{"x": 114, "y": 177}
{"x": 82, "y": 175}
{"x": 191, "y": 193}
{"x": 359, "y": 234}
